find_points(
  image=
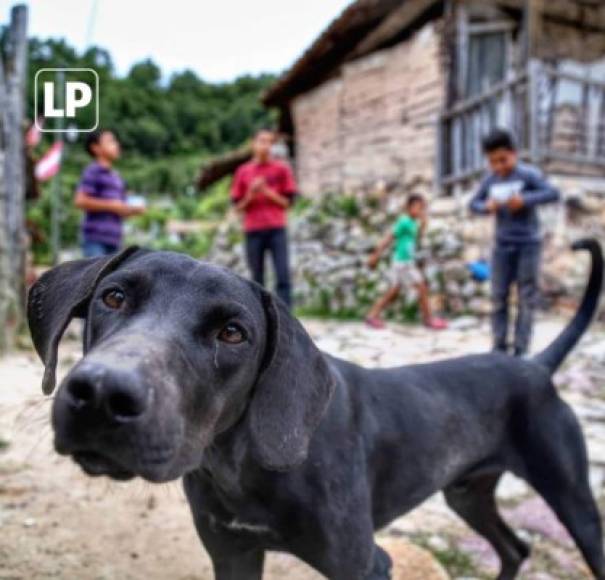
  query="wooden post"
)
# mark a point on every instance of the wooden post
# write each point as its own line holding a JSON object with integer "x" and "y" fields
{"x": 55, "y": 222}
{"x": 13, "y": 74}
{"x": 533, "y": 15}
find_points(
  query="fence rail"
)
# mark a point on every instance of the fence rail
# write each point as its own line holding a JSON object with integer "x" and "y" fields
{"x": 554, "y": 115}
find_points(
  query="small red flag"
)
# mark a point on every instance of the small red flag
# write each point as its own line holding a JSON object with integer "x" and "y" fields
{"x": 50, "y": 163}
{"x": 34, "y": 133}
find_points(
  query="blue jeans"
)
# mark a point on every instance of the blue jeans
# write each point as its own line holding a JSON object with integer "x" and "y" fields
{"x": 93, "y": 249}
{"x": 274, "y": 241}
{"x": 515, "y": 264}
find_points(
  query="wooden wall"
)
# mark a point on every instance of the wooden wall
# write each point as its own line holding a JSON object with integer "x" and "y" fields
{"x": 376, "y": 121}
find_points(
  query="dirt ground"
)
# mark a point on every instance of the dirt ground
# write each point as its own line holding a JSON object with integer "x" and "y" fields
{"x": 57, "y": 523}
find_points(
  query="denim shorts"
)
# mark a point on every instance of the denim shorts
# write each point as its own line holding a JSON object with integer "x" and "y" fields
{"x": 92, "y": 249}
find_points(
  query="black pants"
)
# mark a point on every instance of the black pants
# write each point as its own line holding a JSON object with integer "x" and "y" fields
{"x": 515, "y": 264}
{"x": 276, "y": 242}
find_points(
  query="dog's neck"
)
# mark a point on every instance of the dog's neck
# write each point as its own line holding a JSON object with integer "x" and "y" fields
{"x": 228, "y": 459}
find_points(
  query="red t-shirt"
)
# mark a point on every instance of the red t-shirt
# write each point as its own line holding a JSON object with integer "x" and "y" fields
{"x": 262, "y": 213}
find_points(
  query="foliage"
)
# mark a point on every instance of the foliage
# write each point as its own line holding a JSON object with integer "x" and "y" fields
{"x": 157, "y": 117}
{"x": 166, "y": 126}
{"x": 457, "y": 563}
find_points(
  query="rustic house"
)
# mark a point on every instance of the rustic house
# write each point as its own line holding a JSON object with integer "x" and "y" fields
{"x": 402, "y": 90}
{"x": 396, "y": 94}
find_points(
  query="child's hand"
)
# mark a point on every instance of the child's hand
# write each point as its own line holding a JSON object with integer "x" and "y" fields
{"x": 258, "y": 184}
{"x": 135, "y": 210}
{"x": 516, "y": 203}
{"x": 492, "y": 206}
{"x": 120, "y": 208}
{"x": 373, "y": 261}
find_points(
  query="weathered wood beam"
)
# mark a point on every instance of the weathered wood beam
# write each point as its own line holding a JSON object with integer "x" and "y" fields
{"x": 533, "y": 15}
{"x": 219, "y": 167}
{"x": 392, "y": 25}
{"x": 575, "y": 12}
{"x": 13, "y": 73}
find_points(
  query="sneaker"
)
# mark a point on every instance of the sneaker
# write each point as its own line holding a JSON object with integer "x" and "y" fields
{"x": 437, "y": 324}
{"x": 375, "y": 323}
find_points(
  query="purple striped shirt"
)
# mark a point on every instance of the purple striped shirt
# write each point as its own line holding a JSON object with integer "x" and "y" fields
{"x": 103, "y": 183}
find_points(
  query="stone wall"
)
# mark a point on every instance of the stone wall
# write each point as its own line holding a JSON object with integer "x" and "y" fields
{"x": 333, "y": 237}
{"x": 376, "y": 121}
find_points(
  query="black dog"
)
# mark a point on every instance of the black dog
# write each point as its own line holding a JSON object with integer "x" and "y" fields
{"x": 192, "y": 371}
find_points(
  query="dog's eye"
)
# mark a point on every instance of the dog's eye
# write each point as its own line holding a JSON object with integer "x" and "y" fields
{"x": 232, "y": 333}
{"x": 114, "y": 299}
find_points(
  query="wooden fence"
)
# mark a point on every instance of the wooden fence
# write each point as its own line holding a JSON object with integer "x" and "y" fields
{"x": 554, "y": 115}
{"x": 13, "y": 69}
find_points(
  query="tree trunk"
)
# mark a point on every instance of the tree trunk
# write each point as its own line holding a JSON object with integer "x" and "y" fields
{"x": 13, "y": 72}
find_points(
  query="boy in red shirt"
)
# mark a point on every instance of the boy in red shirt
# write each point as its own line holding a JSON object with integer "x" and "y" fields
{"x": 263, "y": 190}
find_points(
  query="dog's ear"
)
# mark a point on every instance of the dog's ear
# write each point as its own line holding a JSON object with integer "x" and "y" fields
{"x": 292, "y": 392}
{"x": 58, "y": 296}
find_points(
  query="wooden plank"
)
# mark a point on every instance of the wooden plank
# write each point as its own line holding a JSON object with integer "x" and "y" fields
{"x": 12, "y": 178}
{"x": 532, "y": 29}
{"x": 462, "y": 50}
{"x": 475, "y": 102}
{"x": 15, "y": 158}
{"x": 392, "y": 25}
{"x": 491, "y": 27}
{"x": 533, "y": 105}
{"x": 571, "y": 11}
{"x": 574, "y": 158}
{"x": 584, "y": 80}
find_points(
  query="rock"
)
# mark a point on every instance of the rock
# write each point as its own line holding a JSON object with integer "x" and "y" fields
{"x": 535, "y": 516}
{"x": 411, "y": 562}
{"x": 465, "y": 323}
{"x": 331, "y": 240}
{"x": 511, "y": 488}
{"x": 438, "y": 543}
{"x": 596, "y": 351}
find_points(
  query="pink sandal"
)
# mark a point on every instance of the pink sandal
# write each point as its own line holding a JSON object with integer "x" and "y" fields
{"x": 375, "y": 323}
{"x": 437, "y": 324}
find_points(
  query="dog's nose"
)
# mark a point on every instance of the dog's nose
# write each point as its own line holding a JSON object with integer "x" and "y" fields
{"x": 119, "y": 396}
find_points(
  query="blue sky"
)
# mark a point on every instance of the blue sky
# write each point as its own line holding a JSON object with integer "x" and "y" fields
{"x": 219, "y": 39}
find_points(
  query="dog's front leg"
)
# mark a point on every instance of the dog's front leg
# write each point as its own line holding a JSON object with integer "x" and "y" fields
{"x": 235, "y": 556}
{"x": 246, "y": 566}
{"x": 382, "y": 565}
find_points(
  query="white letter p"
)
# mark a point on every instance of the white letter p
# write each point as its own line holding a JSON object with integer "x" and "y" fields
{"x": 77, "y": 95}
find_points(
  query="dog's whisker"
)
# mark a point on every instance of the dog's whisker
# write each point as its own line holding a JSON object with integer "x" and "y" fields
{"x": 45, "y": 435}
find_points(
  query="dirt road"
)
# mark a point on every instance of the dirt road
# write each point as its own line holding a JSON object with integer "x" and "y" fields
{"x": 57, "y": 523}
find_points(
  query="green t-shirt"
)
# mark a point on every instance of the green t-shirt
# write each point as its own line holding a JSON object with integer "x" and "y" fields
{"x": 405, "y": 231}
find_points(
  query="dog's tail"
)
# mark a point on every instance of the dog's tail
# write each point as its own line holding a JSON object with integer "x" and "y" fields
{"x": 554, "y": 354}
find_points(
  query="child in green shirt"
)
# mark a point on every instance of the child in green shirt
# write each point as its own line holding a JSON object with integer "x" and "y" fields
{"x": 404, "y": 273}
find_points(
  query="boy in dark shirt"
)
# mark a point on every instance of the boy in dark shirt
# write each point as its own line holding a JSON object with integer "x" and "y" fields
{"x": 512, "y": 192}
{"x": 101, "y": 194}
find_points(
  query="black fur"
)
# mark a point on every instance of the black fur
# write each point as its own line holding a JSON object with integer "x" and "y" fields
{"x": 284, "y": 448}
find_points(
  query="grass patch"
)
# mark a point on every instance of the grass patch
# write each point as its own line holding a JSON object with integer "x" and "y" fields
{"x": 323, "y": 314}
{"x": 456, "y": 563}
